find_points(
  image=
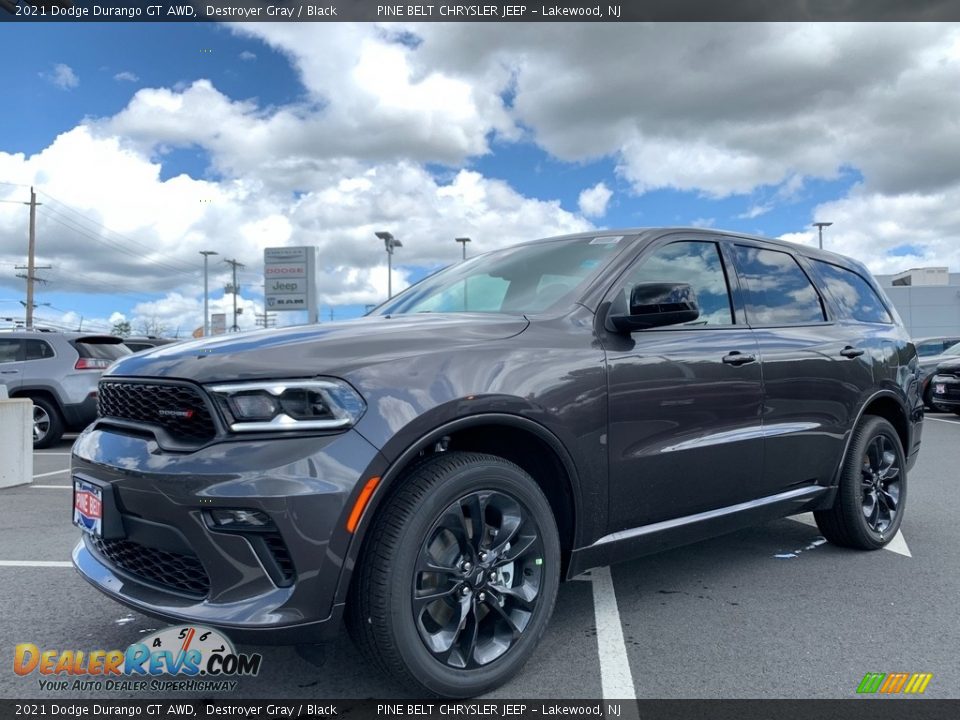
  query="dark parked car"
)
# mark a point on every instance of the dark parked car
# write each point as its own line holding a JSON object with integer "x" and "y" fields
{"x": 928, "y": 366}
{"x": 137, "y": 343}
{"x": 932, "y": 346}
{"x": 945, "y": 386}
{"x": 434, "y": 470}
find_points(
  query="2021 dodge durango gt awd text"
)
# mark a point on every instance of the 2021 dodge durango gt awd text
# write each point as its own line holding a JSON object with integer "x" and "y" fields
{"x": 432, "y": 471}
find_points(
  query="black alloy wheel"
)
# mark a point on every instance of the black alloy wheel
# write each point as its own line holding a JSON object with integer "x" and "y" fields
{"x": 477, "y": 579}
{"x": 458, "y": 575}
{"x": 872, "y": 491}
{"x": 880, "y": 478}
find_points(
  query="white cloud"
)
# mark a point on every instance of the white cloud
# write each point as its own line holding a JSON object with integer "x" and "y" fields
{"x": 62, "y": 76}
{"x": 593, "y": 201}
{"x": 922, "y": 229}
{"x": 248, "y": 56}
{"x": 126, "y": 76}
{"x": 91, "y": 181}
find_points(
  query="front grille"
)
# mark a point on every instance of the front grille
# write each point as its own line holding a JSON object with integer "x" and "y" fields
{"x": 178, "y": 409}
{"x": 160, "y": 567}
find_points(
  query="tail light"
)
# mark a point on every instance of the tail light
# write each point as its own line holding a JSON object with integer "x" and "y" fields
{"x": 92, "y": 364}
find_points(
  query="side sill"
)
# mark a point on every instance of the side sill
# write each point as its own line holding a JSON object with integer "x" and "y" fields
{"x": 653, "y": 538}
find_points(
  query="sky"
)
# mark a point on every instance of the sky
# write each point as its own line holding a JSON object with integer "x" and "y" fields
{"x": 148, "y": 143}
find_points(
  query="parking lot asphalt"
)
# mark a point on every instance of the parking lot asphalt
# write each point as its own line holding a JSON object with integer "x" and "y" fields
{"x": 768, "y": 612}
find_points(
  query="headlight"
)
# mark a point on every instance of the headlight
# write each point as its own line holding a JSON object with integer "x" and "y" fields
{"x": 326, "y": 404}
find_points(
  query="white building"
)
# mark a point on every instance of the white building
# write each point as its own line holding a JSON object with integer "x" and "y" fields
{"x": 928, "y": 300}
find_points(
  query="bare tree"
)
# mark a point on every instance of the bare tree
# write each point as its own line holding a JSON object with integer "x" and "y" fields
{"x": 151, "y": 326}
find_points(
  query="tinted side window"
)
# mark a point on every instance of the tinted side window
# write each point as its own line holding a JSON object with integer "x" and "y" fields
{"x": 778, "y": 292}
{"x": 8, "y": 350}
{"x": 926, "y": 349}
{"x": 855, "y": 298}
{"x": 694, "y": 262}
{"x": 38, "y": 350}
{"x": 101, "y": 350}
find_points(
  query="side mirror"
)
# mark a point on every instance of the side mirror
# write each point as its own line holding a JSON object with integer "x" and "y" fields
{"x": 657, "y": 305}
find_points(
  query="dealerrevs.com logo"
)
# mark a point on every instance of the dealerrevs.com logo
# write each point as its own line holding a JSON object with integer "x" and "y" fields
{"x": 189, "y": 657}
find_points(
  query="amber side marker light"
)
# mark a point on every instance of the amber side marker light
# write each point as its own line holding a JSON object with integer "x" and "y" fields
{"x": 362, "y": 499}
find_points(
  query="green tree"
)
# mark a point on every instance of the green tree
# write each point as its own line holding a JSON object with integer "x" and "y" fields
{"x": 121, "y": 328}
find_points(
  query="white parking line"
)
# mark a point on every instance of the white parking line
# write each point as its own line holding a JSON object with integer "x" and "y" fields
{"x": 48, "y": 474}
{"x": 949, "y": 422}
{"x": 36, "y": 563}
{"x": 52, "y": 487}
{"x": 898, "y": 545}
{"x": 615, "y": 676}
{"x": 40, "y": 452}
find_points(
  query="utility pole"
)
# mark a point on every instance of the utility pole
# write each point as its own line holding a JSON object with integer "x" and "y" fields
{"x": 31, "y": 267}
{"x": 234, "y": 289}
{"x": 206, "y": 292}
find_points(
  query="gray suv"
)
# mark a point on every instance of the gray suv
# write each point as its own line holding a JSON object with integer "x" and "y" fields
{"x": 59, "y": 372}
{"x": 430, "y": 472}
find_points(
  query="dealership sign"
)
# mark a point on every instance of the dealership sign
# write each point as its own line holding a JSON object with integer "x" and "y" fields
{"x": 289, "y": 279}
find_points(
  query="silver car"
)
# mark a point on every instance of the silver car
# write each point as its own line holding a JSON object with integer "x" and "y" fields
{"x": 59, "y": 371}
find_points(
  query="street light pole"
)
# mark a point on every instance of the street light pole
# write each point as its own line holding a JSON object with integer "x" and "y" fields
{"x": 389, "y": 244}
{"x": 820, "y": 226}
{"x": 463, "y": 241}
{"x": 206, "y": 292}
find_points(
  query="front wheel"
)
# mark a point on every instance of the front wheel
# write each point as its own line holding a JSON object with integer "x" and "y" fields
{"x": 868, "y": 508}
{"x": 47, "y": 423}
{"x": 459, "y": 576}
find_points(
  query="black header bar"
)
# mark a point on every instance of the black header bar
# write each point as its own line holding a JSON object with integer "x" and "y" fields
{"x": 434, "y": 709}
{"x": 489, "y": 11}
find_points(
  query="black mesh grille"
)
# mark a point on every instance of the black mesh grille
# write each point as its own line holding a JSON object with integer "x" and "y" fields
{"x": 179, "y": 409}
{"x": 173, "y": 570}
{"x": 278, "y": 548}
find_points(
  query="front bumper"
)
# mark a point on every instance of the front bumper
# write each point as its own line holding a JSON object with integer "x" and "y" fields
{"x": 161, "y": 555}
{"x": 949, "y": 399}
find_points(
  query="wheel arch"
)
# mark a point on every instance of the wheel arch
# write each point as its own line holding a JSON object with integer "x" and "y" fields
{"x": 532, "y": 446}
{"x": 891, "y": 408}
{"x": 39, "y": 391}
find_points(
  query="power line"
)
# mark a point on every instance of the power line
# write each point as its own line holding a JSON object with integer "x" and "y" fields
{"x": 185, "y": 266}
{"x": 69, "y": 223}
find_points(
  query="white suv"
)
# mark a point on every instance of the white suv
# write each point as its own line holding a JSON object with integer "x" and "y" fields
{"x": 59, "y": 372}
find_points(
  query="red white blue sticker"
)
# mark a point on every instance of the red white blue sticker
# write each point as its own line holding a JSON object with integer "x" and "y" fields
{"x": 87, "y": 507}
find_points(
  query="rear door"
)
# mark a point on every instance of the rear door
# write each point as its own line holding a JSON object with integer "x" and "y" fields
{"x": 684, "y": 401}
{"x": 11, "y": 363}
{"x": 814, "y": 370}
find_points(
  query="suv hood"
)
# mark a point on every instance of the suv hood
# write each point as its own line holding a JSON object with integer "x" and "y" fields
{"x": 951, "y": 366}
{"x": 308, "y": 350}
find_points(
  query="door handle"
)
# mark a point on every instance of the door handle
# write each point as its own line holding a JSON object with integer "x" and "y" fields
{"x": 851, "y": 352}
{"x": 735, "y": 357}
{"x": 9, "y": 372}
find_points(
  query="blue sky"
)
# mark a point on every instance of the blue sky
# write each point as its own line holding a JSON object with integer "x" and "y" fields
{"x": 319, "y": 135}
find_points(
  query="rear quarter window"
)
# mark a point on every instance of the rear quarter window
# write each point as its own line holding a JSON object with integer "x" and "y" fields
{"x": 777, "y": 290}
{"x": 852, "y": 294}
{"x": 99, "y": 349}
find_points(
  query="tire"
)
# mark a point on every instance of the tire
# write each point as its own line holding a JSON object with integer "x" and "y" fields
{"x": 872, "y": 492}
{"x": 47, "y": 423}
{"x": 392, "y": 628}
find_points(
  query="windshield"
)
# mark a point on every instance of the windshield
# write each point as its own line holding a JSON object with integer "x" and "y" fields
{"x": 523, "y": 279}
{"x": 953, "y": 350}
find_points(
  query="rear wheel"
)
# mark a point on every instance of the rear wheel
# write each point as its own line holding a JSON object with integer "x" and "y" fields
{"x": 459, "y": 577}
{"x": 47, "y": 423}
{"x": 868, "y": 508}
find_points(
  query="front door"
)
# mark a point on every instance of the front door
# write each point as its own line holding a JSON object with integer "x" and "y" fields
{"x": 685, "y": 431}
